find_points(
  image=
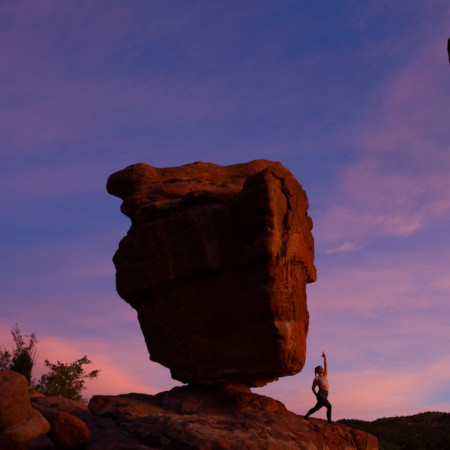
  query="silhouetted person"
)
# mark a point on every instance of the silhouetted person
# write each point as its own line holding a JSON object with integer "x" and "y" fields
{"x": 448, "y": 49}
{"x": 321, "y": 381}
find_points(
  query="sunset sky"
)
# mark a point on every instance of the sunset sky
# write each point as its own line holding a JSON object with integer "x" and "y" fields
{"x": 352, "y": 96}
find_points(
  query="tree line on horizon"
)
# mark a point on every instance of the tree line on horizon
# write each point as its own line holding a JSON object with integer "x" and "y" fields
{"x": 427, "y": 430}
{"x": 62, "y": 380}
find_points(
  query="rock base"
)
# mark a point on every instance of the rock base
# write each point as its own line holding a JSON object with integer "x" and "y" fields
{"x": 213, "y": 418}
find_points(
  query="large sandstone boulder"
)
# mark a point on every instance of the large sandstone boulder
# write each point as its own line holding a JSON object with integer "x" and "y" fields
{"x": 20, "y": 424}
{"x": 216, "y": 264}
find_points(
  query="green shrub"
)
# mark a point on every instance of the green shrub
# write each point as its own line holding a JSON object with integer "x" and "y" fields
{"x": 63, "y": 380}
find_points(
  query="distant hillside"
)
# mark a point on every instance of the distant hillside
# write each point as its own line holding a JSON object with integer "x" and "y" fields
{"x": 425, "y": 431}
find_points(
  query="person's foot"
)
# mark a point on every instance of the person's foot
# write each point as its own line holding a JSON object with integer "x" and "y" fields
{"x": 330, "y": 422}
{"x": 306, "y": 417}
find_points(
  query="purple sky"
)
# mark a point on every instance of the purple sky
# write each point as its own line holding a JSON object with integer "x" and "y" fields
{"x": 353, "y": 97}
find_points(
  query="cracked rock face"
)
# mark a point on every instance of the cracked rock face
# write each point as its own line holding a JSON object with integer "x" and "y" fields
{"x": 216, "y": 263}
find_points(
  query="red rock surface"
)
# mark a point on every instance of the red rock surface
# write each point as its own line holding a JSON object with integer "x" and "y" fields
{"x": 67, "y": 431}
{"x": 207, "y": 418}
{"x": 67, "y": 419}
{"x": 20, "y": 424}
{"x": 52, "y": 403}
{"x": 216, "y": 264}
{"x": 198, "y": 418}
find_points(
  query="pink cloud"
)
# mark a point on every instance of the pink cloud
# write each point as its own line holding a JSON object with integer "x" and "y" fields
{"x": 366, "y": 391}
{"x": 376, "y": 393}
{"x": 441, "y": 282}
{"x": 360, "y": 391}
{"x": 373, "y": 204}
{"x": 124, "y": 368}
{"x": 339, "y": 225}
{"x": 344, "y": 248}
{"x": 367, "y": 394}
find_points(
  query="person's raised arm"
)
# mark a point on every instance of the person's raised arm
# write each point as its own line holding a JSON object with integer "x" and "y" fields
{"x": 325, "y": 369}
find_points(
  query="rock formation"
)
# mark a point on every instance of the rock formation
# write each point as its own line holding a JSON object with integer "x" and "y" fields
{"x": 216, "y": 263}
{"x": 194, "y": 418}
{"x": 20, "y": 424}
{"x": 209, "y": 418}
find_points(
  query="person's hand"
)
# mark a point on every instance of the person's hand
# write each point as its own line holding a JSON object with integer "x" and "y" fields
{"x": 323, "y": 355}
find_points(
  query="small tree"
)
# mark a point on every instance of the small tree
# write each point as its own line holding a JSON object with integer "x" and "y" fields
{"x": 21, "y": 359}
{"x": 65, "y": 380}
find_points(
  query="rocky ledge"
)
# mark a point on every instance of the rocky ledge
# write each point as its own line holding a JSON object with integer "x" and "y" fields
{"x": 184, "y": 418}
{"x": 203, "y": 418}
{"x": 211, "y": 418}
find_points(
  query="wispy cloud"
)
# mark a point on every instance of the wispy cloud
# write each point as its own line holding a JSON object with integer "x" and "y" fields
{"x": 399, "y": 183}
{"x": 118, "y": 374}
{"x": 368, "y": 393}
{"x": 366, "y": 362}
{"x": 378, "y": 393}
{"x": 441, "y": 283}
{"x": 344, "y": 248}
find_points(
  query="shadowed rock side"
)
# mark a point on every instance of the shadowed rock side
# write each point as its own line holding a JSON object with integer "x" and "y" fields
{"x": 216, "y": 263}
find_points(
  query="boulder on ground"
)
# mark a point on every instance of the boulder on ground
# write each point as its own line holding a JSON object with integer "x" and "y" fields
{"x": 68, "y": 420}
{"x": 78, "y": 409}
{"x": 216, "y": 264}
{"x": 68, "y": 432}
{"x": 20, "y": 424}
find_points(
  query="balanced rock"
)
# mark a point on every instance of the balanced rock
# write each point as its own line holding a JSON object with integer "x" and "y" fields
{"x": 216, "y": 263}
{"x": 20, "y": 424}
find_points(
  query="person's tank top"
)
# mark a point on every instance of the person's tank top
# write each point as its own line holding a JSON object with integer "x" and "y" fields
{"x": 322, "y": 382}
